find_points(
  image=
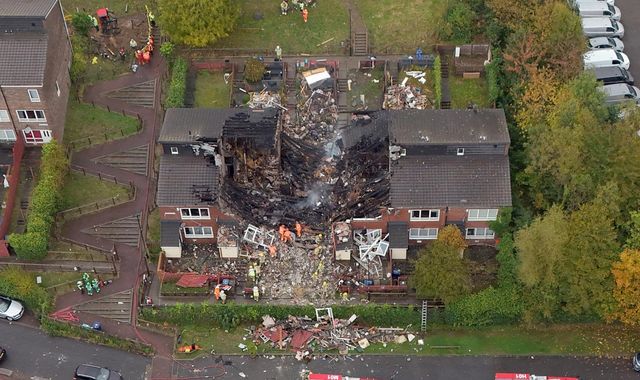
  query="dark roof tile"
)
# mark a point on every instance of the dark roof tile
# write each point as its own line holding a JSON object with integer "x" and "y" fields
{"x": 25, "y": 8}
{"x": 170, "y": 233}
{"x": 188, "y": 124}
{"x": 23, "y": 59}
{"x": 182, "y": 176}
{"x": 398, "y": 234}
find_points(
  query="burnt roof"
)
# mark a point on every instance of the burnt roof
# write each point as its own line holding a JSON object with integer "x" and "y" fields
{"x": 258, "y": 126}
{"x": 23, "y": 59}
{"x": 398, "y": 234}
{"x": 170, "y": 233}
{"x": 187, "y": 125}
{"x": 186, "y": 180}
{"x": 26, "y": 8}
{"x": 422, "y": 127}
{"x": 451, "y": 181}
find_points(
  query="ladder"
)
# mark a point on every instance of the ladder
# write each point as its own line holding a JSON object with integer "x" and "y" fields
{"x": 423, "y": 324}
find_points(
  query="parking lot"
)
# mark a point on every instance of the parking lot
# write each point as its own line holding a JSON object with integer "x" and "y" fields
{"x": 630, "y": 10}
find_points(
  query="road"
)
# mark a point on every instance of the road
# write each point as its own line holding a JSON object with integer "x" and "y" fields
{"x": 630, "y": 10}
{"x": 413, "y": 368}
{"x": 32, "y": 352}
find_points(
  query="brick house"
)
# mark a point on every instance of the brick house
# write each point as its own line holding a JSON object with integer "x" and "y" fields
{"x": 194, "y": 164}
{"x": 35, "y": 57}
{"x": 446, "y": 167}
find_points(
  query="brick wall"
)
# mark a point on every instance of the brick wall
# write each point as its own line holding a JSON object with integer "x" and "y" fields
{"x": 172, "y": 213}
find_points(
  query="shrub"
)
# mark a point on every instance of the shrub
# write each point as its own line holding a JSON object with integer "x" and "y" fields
{"x": 490, "y": 306}
{"x": 178, "y": 86}
{"x": 21, "y": 285}
{"x": 45, "y": 203}
{"x": 460, "y": 20}
{"x": 492, "y": 81}
{"x": 437, "y": 81}
{"x": 253, "y": 70}
{"x": 82, "y": 23}
{"x": 167, "y": 49}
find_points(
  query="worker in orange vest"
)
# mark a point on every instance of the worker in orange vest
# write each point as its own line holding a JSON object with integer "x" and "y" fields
{"x": 281, "y": 231}
{"x": 305, "y": 14}
{"x": 287, "y": 235}
{"x": 216, "y": 292}
{"x": 272, "y": 251}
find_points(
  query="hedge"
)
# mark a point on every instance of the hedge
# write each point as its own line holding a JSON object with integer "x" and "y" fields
{"x": 178, "y": 86}
{"x": 437, "y": 81}
{"x": 18, "y": 284}
{"x": 232, "y": 314}
{"x": 491, "y": 306}
{"x": 44, "y": 204}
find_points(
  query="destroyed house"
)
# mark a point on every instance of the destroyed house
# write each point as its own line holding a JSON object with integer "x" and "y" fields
{"x": 195, "y": 163}
{"x": 446, "y": 167}
{"x": 35, "y": 57}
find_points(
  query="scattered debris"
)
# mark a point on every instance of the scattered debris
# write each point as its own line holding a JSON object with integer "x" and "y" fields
{"x": 399, "y": 97}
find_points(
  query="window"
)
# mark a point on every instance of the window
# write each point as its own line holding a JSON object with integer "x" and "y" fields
{"x": 483, "y": 214}
{"x": 194, "y": 213}
{"x": 36, "y": 136}
{"x": 7, "y": 135}
{"x": 174, "y": 150}
{"x": 198, "y": 232}
{"x": 460, "y": 152}
{"x": 30, "y": 115}
{"x": 423, "y": 233}
{"x": 34, "y": 96}
{"x": 57, "y": 88}
{"x": 425, "y": 215}
{"x": 4, "y": 116}
{"x": 480, "y": 233}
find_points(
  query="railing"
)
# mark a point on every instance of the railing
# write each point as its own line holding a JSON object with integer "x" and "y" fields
{"x": 52, "y": 267}
{"x": 85, "y": 142}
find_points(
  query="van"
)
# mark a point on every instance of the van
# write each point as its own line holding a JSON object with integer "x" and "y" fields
{"x": 602, "y": 27}
{"x": 575, "y": 3}
{"x": 612, "y": 75}
{"x": 620, "y": 93}
{"x": 604, "y": 58}
{"x": 598, "y": 9}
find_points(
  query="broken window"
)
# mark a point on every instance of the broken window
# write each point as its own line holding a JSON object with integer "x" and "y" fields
{"x": 425, "y": 215}
{"x": 194, "y": 213}
{"x": 423, "y": 233}
{"x": 480, "y": 233}
{"x": 198, "y": 232}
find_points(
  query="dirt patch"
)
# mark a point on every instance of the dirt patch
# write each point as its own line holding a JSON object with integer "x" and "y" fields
{"x": 483, "y": 265}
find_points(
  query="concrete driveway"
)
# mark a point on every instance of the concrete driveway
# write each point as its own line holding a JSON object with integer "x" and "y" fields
{"x": 631, "y": 20}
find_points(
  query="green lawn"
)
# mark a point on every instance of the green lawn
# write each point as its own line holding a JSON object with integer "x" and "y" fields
{"x": 84, "y": 120}
{"x": 365, "y": 85}
{"x": 211, "y": 91}
{"x": 153, "y": 234}
{"x": 213, "y": 338}
{"x": 465, "y": 91}
{"x": 399, "y": 27}
{"x": 329, "y": 19}
{"x": 170, "y": 288}
{"x": 81, "y": 190}
{"x": 104, "y": 70}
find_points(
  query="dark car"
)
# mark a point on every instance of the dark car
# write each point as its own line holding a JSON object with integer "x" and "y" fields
{"x": 636, "y": 362}
{"x": 3, "y": 353}
{"x": 92, "y": 372}
{"x": 613, "y": 75}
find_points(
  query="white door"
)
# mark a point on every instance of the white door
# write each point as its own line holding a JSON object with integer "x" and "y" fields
{"x": 37, "y": 136}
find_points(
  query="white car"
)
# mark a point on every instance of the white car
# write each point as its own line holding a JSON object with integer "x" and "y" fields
{"x": 11, "y": 310}
{"x": 605, "y": 43}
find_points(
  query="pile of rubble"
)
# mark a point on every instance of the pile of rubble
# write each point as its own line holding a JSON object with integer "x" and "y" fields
{"x": 305, "y": 335}
{"x": 399, "y": 97}
{"x": 315, "y": 117}
{"x": 264, "y": 99}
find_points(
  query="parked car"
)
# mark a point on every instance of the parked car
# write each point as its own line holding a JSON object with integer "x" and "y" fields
{"x": 605, "y": 58}
{"x": 605, "y": 43}
{"x": 598, "y": 9}
{"x": 620, "y": 93}
{"x": 3, "y": 353}
{"x": 613, "y": 75}
{"x": 11, "y": 310}
{"x": 636, "y": 362}
{"x": 602, "y": 27}
{"x": 576, "y": 2}
{"x": 92, "y": 372}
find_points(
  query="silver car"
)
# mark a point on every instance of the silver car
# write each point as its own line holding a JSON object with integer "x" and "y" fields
{"x": 606, "y": 43}
{"x": 620, "y": 93}
{"x": 11, "y": 310}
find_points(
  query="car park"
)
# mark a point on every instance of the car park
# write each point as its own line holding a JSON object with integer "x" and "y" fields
{"x": 598, "y": 9}
{"x": 602, "y": 27}
{"x": 576, "y": 2}
{"x": 92, "y": 372}
{"x": 11, "y": 310}
{"x": 605, "y": 58}
{"x": 605, "y": 43}
{"x": 620, "y": 93}
{"x": 613, "y": 75}
{"x": 636, "y": 362}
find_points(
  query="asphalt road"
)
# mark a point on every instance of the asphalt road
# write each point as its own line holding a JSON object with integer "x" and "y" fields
{"x": 413, "y": 368}
{"x": 630, "y": 10}
{"x": 32, "y": 352}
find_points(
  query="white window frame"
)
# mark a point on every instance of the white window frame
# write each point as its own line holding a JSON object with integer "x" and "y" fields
{"x": 7, "y": 135}
{"x": 460, "y": 152}
{"x": 174, "y": 150}
{"x": 423, "y": 233}
{"x": 4, "y": 116}
{"x": 34, "y": 95}
{"x": 45, "y": 136}
{"x": 482, "y": 214}
{"x": 427, "y": 218}
{"x": 57, "y": 88}
{"x": 197, "y": 232}
{"x": 479, "y": 233}
{"x": 26, "y": 117}
{"x": 188, "y": 213}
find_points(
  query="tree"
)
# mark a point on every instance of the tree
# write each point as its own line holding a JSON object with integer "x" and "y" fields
{"x": 633, "y": 227}
{"x": 512, "y": 13}
{"x": 253, "y": 70}
{"x": 16, "y": 283}
{"x": 197, "y": 23}
{"x": 626, "y": 275}
{"x": 451, "y": 236}
{"x": 82, "y": 23}
{"x": 460, "y": 22}
{"x": 441, "y": 272}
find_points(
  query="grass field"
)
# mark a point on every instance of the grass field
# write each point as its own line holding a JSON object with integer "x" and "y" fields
{"x": 211, "y": 91}
{"x": 401, "y": 26}
{"x": 465, "y": 91}
{"x": 84, "y": 120}
{"x": 81, "y": 190}
{"x": 329, "y": 19}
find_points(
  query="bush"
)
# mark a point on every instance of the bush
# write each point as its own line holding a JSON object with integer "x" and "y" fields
{"x": 82, "y": 23}
{"x": 460, "y": 20}
{"x": 21, "y": 285}
{"x": 79, "y": 61}
{"x": 178, "y": 86}
{"x": 492, "y": 81}
{"x": 253, "y": 70}
{"x": 437, "y": 81}
{"x": 167, "y": 49}
{"x": 45, "y": 203}
{"x": 490, "y": 306}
